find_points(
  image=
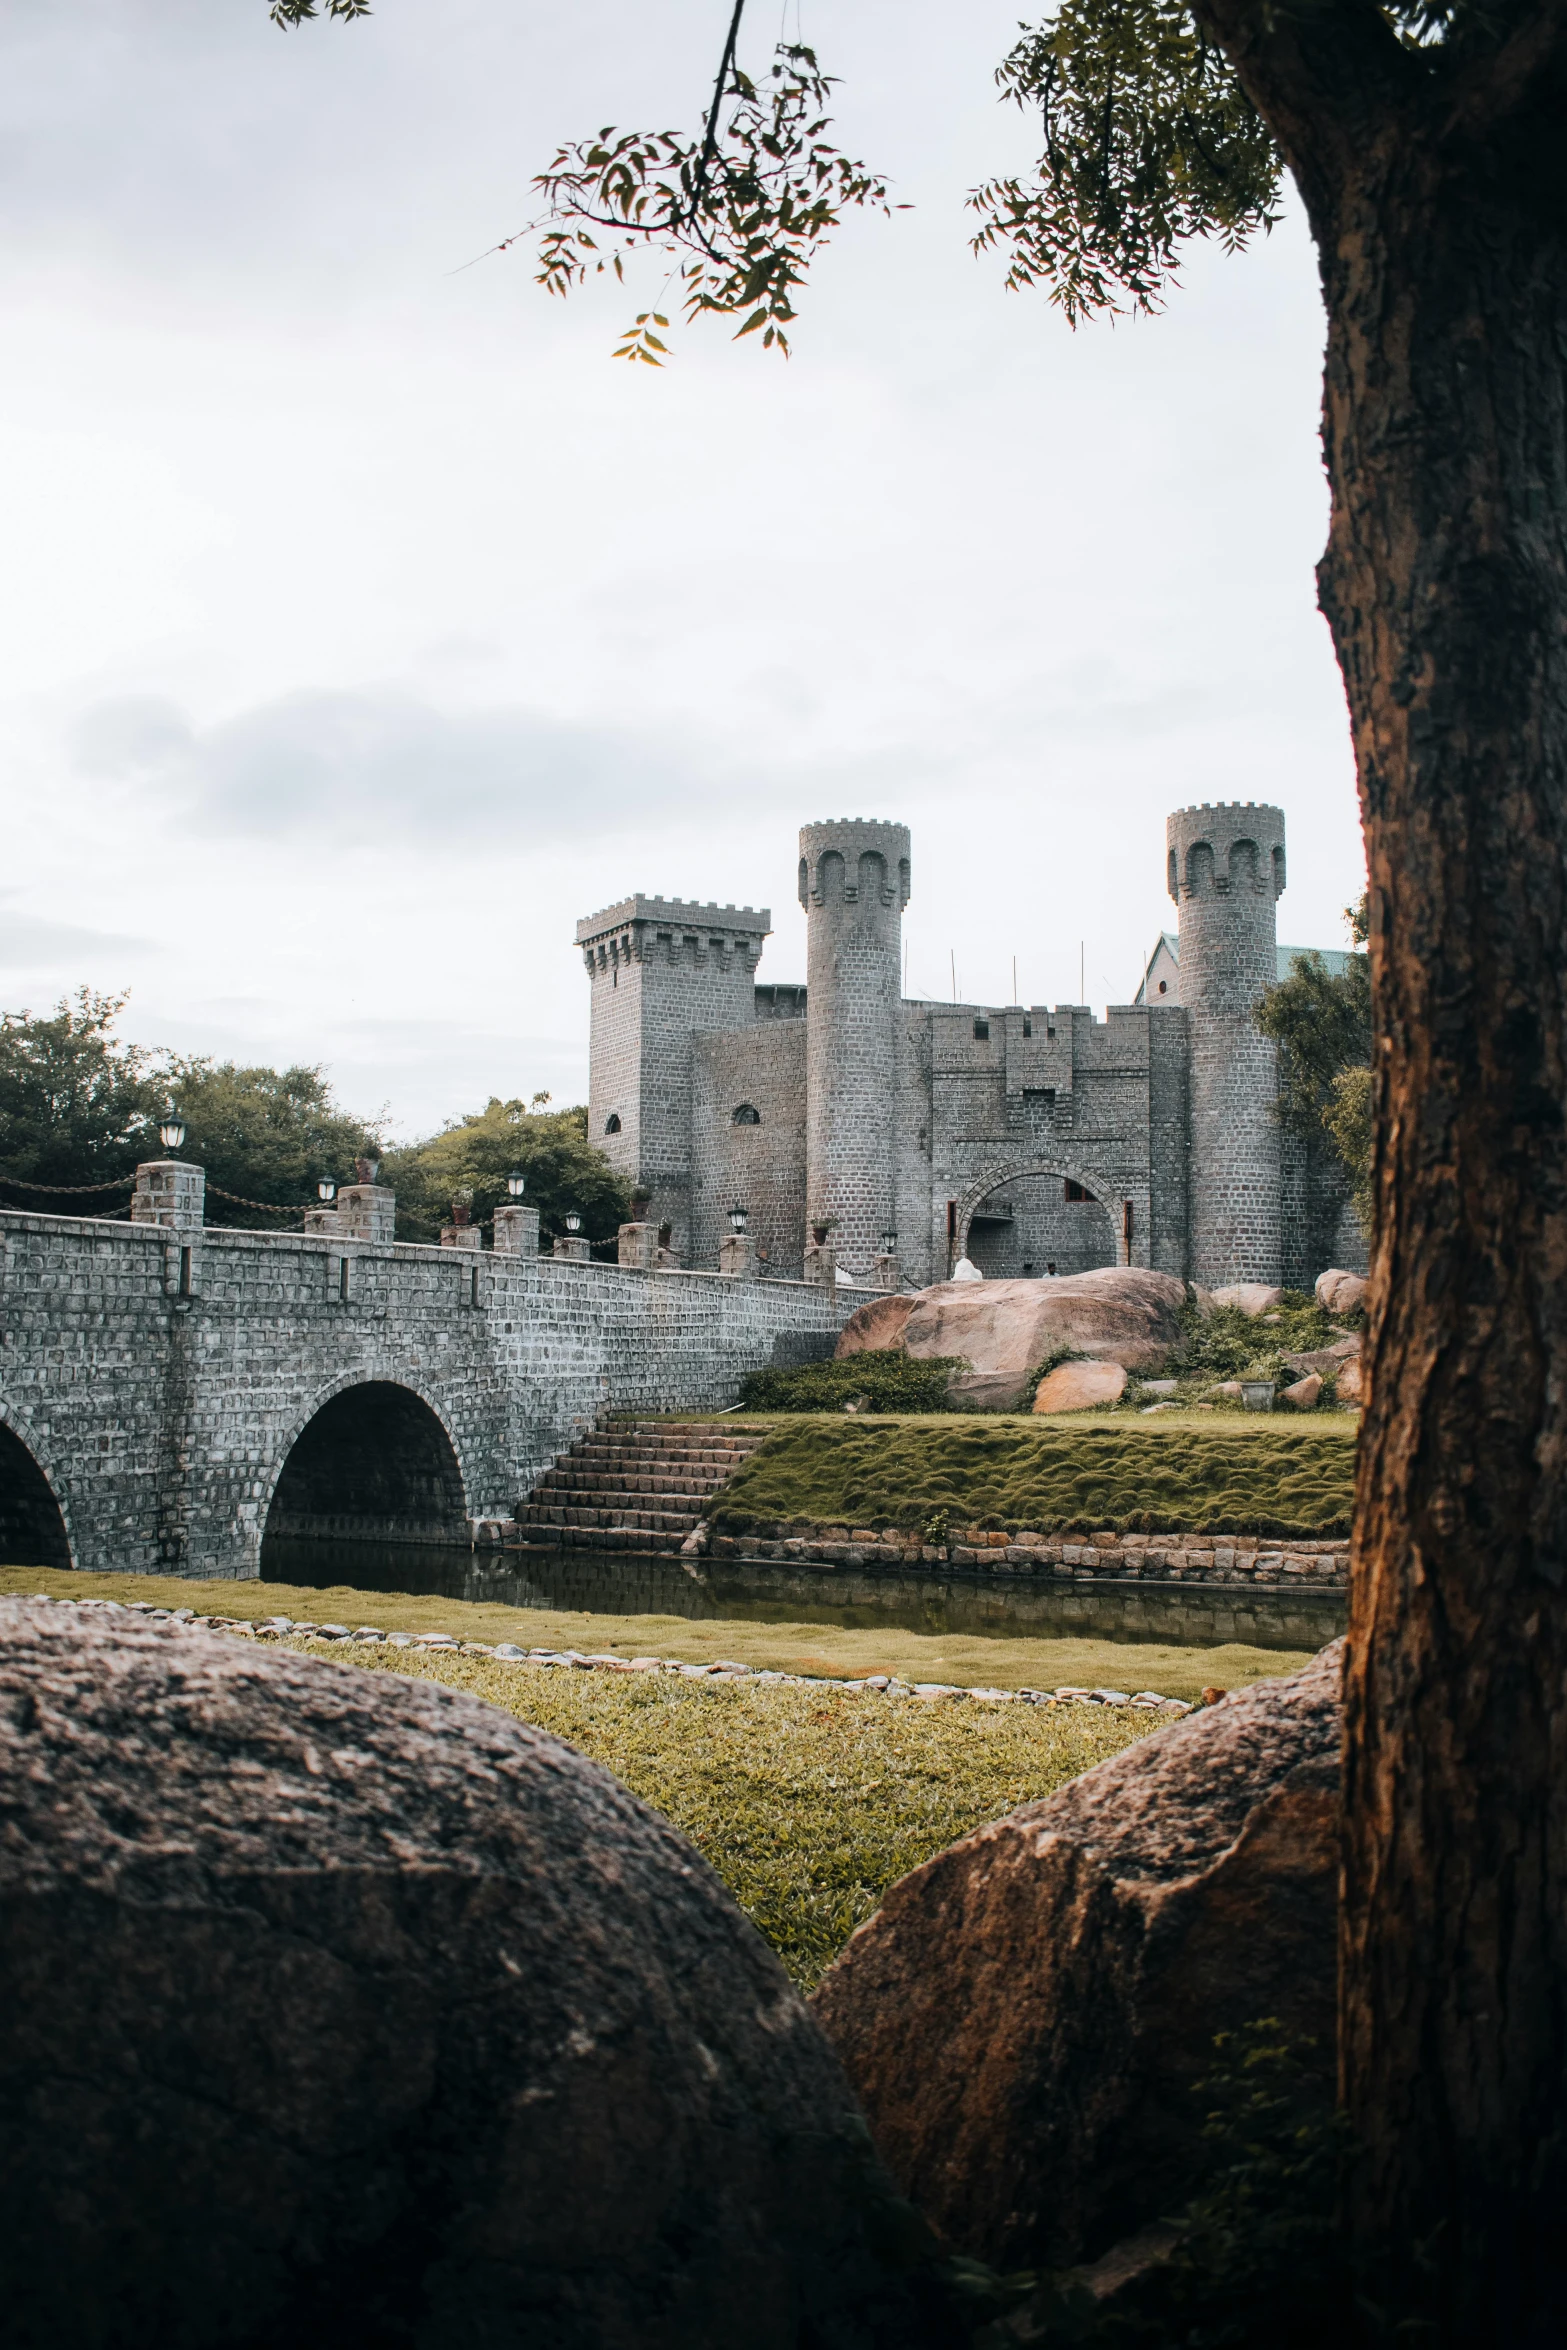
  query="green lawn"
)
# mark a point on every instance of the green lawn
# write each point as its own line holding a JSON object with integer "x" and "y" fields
{"x": 808, "y": 1803}
{"x": 1184, "y": 1471}
{"x": 966, "y": 1658}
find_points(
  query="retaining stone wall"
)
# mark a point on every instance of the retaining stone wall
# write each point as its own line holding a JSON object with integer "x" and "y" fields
{"x": 1174, "y": 1558}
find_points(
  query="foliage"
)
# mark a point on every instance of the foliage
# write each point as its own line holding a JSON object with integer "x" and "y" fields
{"x": 743, "y": 209}
{"x": 1347, "y": 1115}
{"x": 266, "y": 1135}
{"x": 292, "y": 12}
{"x": 808, "y": 1803}
{"x": 888, "y": 1382}
{"x": 1137, "y": 1476}
{"x": 77, "y": 1105}
{"x": 474, "y": 1155}
{"x": 1226, "y": 1343}
{"x": 1149, "y": 141}
{"x": 1260, "y": 2257}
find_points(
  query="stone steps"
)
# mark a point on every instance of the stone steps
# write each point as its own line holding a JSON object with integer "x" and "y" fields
{"x": 633, "y": 1485}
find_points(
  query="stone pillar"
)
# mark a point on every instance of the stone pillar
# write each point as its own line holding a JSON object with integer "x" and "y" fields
{"x": 171, "y": 1193}
{"x": 1225, "y": 871}
{"x": 737, "y": 1256}
{"x": 367, "y": 1211}
{"x": 639, "y": 1246}
{"x": 516, "y": 1232}
{"x": 574, "y": 1247}
{"x": 854, "y": 885}
{"x": 323, "y": 1223}
{"x": 821, "y": 1263}
{"x": 886, "y": 1273}
{"x": 462, "y": 1236}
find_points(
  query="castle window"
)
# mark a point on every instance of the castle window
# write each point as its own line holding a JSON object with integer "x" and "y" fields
{"x": 1075, "y": 1193}
{"x": 982, "y": 1032}
{"x": 1028, "y": 1024}
{"x": 612, "y": 1122}
{"x": 745, "y": 1116}
{"x": 1163, "y": 985}
{"x": 1043, "y": 1094}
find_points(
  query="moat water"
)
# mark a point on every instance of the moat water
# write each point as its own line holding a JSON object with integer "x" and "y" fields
{"x": 629, "y": 1583}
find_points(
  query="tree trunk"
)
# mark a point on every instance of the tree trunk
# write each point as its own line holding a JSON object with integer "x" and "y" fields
{"x": 1445, "y": 584}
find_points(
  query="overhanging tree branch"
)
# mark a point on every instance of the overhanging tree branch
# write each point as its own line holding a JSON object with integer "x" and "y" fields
{"x": 1487, "y": 91}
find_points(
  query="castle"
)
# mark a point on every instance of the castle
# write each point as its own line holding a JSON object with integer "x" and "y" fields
{"x": 909, "y": 1135}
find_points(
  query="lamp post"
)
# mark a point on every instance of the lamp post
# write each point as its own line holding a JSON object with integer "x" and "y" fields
{"x": 516, "y": 1183}
{"x": 573, "y": 1220}
{"x": 171, "y": 1129}
{"x": 737, "y": 1254}
{"x": 571, "y": 1243}
{"x": 326, "y": 1191}
{"x": 887, "y": 1274}
{"x": 739, "y": 1218}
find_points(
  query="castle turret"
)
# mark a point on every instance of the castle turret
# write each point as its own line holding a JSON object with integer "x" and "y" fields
{"x": 1225, "y": 871}
{"x": 854, "y": 885}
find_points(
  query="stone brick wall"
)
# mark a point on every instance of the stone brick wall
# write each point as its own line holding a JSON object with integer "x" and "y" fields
{"x": 160, "y": 1379}
{"x": 760, "y": 1166}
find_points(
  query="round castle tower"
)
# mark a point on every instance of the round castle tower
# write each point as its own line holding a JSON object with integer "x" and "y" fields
{"x": 854, "y": 885}
{"x": 1226, "y": 871}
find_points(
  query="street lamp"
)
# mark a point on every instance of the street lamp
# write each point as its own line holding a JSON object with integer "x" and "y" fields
{"x": 171, "y": 1132}
{"x": 573, "y": 1220}
{"x": 326, "y": 1191}
{"x": 889, "y": 1243}
{"x": 516, "y": 1183}
{"x": 738, "y": 1218}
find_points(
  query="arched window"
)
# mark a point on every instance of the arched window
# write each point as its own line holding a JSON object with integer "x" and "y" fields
{"x": 745, "y": 1115}
{"x": 612, "y": 1122}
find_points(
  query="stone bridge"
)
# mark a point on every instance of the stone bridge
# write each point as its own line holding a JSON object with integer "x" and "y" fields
{"x": 170, "y": 1393}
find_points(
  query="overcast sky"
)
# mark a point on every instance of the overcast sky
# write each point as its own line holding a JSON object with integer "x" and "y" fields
{"x": 364, "y": 623}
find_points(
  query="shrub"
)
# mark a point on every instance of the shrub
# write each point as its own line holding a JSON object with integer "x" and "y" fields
{"x": 888, "y": 1383}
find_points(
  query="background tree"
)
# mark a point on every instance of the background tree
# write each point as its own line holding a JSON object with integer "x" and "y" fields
{"x": 476, "y": 1154}
{"x": 1321, "y": 1022}
{"x": 265, "y": 1135}
{"x": 1428, "y": 142}
{"x": 78, "y": 1106}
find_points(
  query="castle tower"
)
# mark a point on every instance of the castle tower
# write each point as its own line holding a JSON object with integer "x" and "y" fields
{"x": 1225, "y": 872}
{"x": 854, "y": 885}
{"x": 661, "y": 970}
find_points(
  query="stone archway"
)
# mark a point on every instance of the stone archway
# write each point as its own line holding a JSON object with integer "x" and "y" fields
{"x": 32, "y": 1523}
{"x": 373, "y": 1463}
{"x": 1027, "y": 1222}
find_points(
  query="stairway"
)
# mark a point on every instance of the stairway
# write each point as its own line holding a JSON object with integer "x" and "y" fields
{"x": 634, "y": 1484}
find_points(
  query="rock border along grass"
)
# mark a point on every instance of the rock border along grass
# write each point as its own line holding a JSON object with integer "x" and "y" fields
{"x": 292, "y": 1629}
{"x": 1102, "y": 1557}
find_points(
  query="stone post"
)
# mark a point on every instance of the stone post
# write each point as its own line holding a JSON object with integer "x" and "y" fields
{"x": 639, "y": 1246}
{"x": 170, "y": 1192}
{"x": 367, "y": 1211}
{"x": 516, "y": 1232}
{"x": 462, "y": 1236}
{"x": 821, "y": 1263}
{"x": 737, "y": 1256}
{"x": 323, "y": 1223}
{"x": 886, "y": 1273}
{"x": 574, "y": 1247}
{"x": 174, "y": 1194}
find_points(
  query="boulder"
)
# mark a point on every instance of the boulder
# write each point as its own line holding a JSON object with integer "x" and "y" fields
{"x": 1338, "y": 1292}
{"x": 1327, "y": 1361}
{"x": 1253, "y": 1297}
{"x": 877, "y": 1327}
{"x": 1351, "y": 1381}
{"x": 336, "y": 2007}
{"x": 1302, "y": 1397}
{"x": 1120, "y": 1314}
{"x": 1080, "y": 1387}
{"x": 1026, "y": 2015}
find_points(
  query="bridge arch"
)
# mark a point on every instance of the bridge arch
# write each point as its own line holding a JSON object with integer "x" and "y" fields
{"x": 33, "y": 1528}
{"x": 1099, "y": 1243}
{"x": 372, "y": 1459}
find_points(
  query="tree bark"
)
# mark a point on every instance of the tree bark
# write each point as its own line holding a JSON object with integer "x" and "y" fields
{"x": 1444, "y": 269}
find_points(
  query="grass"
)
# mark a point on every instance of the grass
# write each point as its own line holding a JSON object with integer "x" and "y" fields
{"x": 965, "y": 1658}
{"x": 1184, "y": 1471}
{"x": 807, "y": 1803}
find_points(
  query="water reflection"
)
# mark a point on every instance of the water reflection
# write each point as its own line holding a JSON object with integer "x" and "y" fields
{"x": 628, "y": 1583}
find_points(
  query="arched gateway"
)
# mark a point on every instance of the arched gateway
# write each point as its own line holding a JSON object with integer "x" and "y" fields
{"x": 1030, "y": 1221}
{"x": 374, "y": 1463}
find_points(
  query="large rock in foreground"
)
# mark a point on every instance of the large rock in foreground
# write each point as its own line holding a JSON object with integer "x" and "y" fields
{"x": 1025, "y": 2016}
{"x": 1120, "y": 1314}
{"x": 338, "y": 2008}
